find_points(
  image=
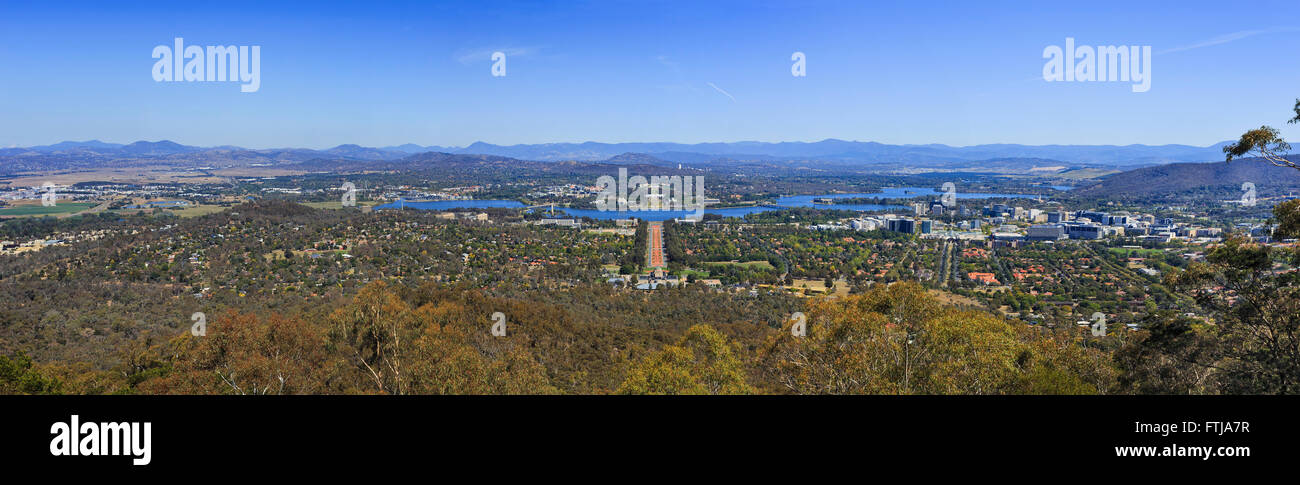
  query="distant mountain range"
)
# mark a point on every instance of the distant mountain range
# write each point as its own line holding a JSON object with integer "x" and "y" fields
{"x": 854, "y": 152}
{"x": 473, "y": 169}
{"x": 1142, "y": 170}
{"x": 170, "y": 149}
{"x": 830, "y": 152}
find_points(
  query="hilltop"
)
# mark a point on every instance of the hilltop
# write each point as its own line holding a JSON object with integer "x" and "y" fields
{"x": 1181, "y": 177}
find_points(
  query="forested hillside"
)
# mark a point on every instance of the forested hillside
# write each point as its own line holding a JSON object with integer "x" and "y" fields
{"x": 1188, "y": 178}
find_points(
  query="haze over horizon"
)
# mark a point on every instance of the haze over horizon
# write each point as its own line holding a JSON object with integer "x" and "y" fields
{"x": 489, "y": 142}
{"x": 687, "y": 73}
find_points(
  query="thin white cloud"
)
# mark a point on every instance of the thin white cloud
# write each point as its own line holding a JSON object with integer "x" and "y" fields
{"x": 676, "y": 68}
{"x": 733, "y": 98}
{"x": 484, "y": 54}
{"x": 679, "y": 82}
{"x": 1226, "y": 38}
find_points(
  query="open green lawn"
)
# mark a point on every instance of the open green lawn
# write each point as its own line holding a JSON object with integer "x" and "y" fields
{"x": 747, "y": 264}
{"x": 40, "y": 210}
{"x": 1144, "y": 253}
{"x": 697, "y": 273}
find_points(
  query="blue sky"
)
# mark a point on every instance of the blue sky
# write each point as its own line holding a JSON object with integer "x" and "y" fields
{"x": 376, "y": 74}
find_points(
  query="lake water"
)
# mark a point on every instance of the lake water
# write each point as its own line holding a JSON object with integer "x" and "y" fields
{"x": 440, "y": 205}
{"x": 663, "y": 215}
{"x": 886, "y": 193}
{"x": 781, "y": 203}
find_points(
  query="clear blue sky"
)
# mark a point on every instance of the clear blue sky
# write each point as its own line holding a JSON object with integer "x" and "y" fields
{"x": 376, "y": 74}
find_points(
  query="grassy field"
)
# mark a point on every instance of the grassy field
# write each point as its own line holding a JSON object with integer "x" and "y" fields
{"x": 37, "y": 210}
{"x": 145, "y": 175}
{"x": 1086, "y": 173}
{"x": 1140, "y": 253}
{"x": 747, "y": 264}
{"x": 814, "y": 285}
{"x": 953, "y": 298}
{"x": 197, "y": 210}
{"x": 697, "y": 273}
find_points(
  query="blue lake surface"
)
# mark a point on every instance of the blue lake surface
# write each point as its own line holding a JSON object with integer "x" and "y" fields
{"x": 663, "y": 215}
{"x": 438, "y": 205}
{"x": 886, "y": 193}
{"x": 781, "y": 203}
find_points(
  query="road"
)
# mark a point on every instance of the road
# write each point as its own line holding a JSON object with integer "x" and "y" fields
{"x": 947, "y": 263}
{"x": 655, "y": 258}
